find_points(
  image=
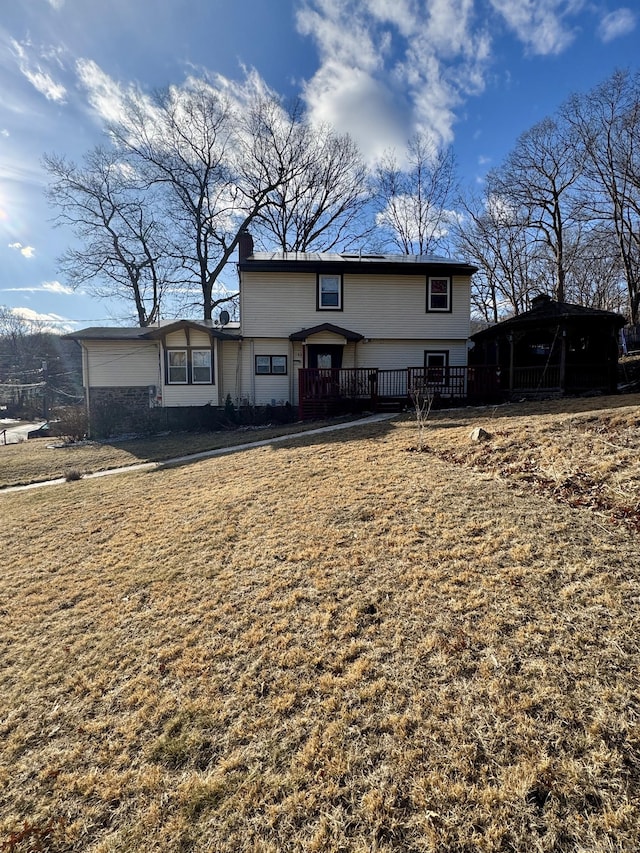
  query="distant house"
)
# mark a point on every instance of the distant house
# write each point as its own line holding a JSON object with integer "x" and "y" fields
{"x": 316, "y": 330}
{"x": 555, "y": 347}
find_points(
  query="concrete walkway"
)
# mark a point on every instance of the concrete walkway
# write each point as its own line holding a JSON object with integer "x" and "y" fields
{"x": 205, "y": 454}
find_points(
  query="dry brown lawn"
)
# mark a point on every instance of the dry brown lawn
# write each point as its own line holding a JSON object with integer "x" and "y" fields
{"x": 44, "y": 459}
{"x": 333, "y": 644}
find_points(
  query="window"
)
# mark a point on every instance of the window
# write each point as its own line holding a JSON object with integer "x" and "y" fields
{"x": 201, "y": 366}
{"x": 439, "y": 294}
{"x": 271, "y": 365}
{"x": 436, "y": 363}
{"x": 329, "y": 293}
{"x": 189, "y": 367}
{"x": 177, "y": 372}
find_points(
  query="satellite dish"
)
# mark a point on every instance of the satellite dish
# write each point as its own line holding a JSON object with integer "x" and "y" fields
{"x": 224, "y": 318}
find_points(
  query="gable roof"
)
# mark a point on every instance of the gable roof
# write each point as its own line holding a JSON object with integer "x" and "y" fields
{"x": 303, "y": 334}
{"x": 546, "y": 310}
{"x": 162, "y": 331}
{"x": 331, "y": 262}
{"x": 146, "y": 333}
{"x": 107, "y": 333}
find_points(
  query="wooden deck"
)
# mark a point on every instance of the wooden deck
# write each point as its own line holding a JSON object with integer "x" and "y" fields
{"x": 327, "y": 391}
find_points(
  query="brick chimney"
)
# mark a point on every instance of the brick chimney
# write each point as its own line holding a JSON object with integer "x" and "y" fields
{"x": 245, "y": 245}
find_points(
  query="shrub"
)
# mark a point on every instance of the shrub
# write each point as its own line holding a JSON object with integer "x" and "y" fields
{"x": 73, "y": 422}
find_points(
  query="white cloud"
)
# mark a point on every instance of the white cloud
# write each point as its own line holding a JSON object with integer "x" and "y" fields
{"x": 46, "y": 322}
{"x": 39, "y": 78}
{"x": 45, "y": 84}
{"x": 45, "y": 287}
{"x": 540, "y": 24}
{"x": 4, "y": 132}
{"x": 391, "y": 67}
{"x": 26, "y": 251}
{"x": 355, "y": 102}
{"x": 616, "y": 24}
{"x": 105, "y": 95}
{"x": 56, "y": 4}
{"x": 56, "y": 287}
{"x": 343, "y": 33}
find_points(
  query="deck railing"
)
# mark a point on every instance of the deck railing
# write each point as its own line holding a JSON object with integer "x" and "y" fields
{"x": 366, "y": 384}
{"x": 536, "y": 378}
{"x": 324, "y": 389}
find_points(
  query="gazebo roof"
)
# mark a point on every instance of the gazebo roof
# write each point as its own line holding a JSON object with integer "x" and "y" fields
{"x": 547, "y": 311}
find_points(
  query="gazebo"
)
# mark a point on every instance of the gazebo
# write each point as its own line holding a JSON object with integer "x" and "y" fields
{"x": 555, "y": 347}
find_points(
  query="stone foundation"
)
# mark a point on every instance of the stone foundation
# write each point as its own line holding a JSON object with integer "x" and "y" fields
{"x": 115, "y": 411}
{"x": 119, "y": 411}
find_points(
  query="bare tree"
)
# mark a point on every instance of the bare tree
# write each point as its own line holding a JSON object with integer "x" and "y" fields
{"x": 538, "y": 179}
{"x": 596, "y": 275}
{"x": 414, "y": 200}
{"x": 319, "y": 207}
{"x": 35, "y": 362}
{"x": 123, "y": 247}
{"x": 607, "y": 123}
{"x": 216, "y": 162}
{"x": 491, "y": 235}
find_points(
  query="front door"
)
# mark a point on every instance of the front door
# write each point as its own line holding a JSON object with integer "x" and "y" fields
{"x": 325, "y": 356}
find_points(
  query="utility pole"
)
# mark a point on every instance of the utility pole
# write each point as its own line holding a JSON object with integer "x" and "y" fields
{"x": 45, "y": 377}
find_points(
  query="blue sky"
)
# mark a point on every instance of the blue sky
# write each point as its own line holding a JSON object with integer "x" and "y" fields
{"x": 473, "y": 73}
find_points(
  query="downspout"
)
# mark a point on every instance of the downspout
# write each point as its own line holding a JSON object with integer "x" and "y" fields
{"x": 217, "y": 373}
{"x": 87, "y": 395}
{"x": 161, "y": 365}
{"x": 238, "y": 373}
{"x": 292, "y": 372}
{"x": 252, "y": 371}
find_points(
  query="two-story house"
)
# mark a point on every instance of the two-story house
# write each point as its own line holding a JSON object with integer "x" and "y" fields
{"x": 314, "y": 327}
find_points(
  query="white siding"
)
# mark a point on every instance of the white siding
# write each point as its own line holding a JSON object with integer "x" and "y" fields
{"x": 246, "y": 387}
{"x": 197, "y": 338}
{"x": 192, "y": 394}
{"x": 189, "y": 395}
{"x": 230, "y": 365}
{"x": 376, "y": 306}
{"x": 261, "y": 389}
{"x": 393, "y": 355}
{"x": 271, "y": 389}
{"x": 113, "y": 364}
{"x": 327, "y": 338}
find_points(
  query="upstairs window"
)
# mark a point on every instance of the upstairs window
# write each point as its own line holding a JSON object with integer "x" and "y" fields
{"x": 329, "y": 296}
{"x": 189, "y": 367}
{"x": 439, "y": 294}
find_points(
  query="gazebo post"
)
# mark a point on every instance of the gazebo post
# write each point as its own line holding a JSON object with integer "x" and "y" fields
{"x": 563, "y": 358}
{"x": 511, "y": 359}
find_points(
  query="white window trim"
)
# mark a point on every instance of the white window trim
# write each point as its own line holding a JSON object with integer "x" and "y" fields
{"x": 444, "y": 381}
{"x": 430, "y": 280}
{"x": 321, "y": 278}
{"x": 271, "y": 371}
{"x": 208, "y": 381}
{"x": 189, "y": 380}
{"x": 171, "y": 367}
